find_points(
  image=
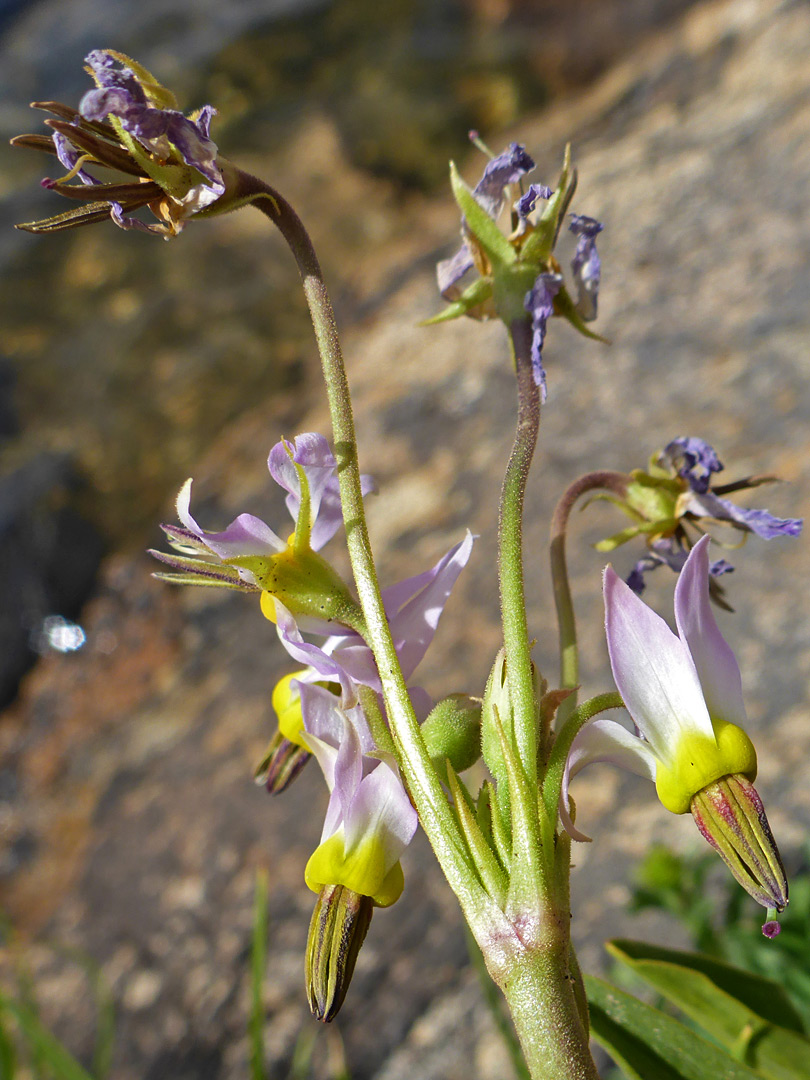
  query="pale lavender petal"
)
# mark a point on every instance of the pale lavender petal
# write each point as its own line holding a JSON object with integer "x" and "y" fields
{"x": 653, "y": 670}
{"x": 714, "y": 661}
{"x": 608, "y": 741}
{"x": 507, "y": 168}
{"x": 586, "y": 264}
{"x": 328, "y": 667}
{"x": 381, "y": 809}
{"x": 414, "y": 624}
{"x": 330, "y": 511}
{"x": 246, "y": 535}
{"x": 539, "y": 302}
{"x": 449, "y": 272}
{"x": 123, "y": 221}
{"x": 694, "y": 460}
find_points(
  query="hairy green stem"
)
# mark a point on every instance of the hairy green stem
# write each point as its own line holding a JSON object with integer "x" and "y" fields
{"x": 566, "y": 622}
{"x": 429, "y": 798}
{"x": 510, "y": 552}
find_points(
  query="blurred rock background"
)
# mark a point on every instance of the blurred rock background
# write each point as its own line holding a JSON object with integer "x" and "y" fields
{"x": 131, "y": 829}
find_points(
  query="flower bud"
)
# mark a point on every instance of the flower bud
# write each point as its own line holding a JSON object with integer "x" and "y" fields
{"x": 730, "y": 815}
{"x": 338, "y": 928}
{"x": 452, "y": 732}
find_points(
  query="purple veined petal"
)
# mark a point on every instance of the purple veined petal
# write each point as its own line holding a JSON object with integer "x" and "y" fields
{"x": 323, "y": 714}
{"x": 507, "y": 168}
{"x": 527, "y": 202}
{"x": 653, "y": 670}
{"x": 539, "y": 302}
{"x": 711, "y": 654}
{"x": 414, "y": 623}
{"x": 109, "y": 101}
{"x": 609, "y": 741}
{"x": 586, "y": 265}
{"x": 203, "y": 120}
{"x": 449, "y": 272}
{"x": 330, "y": 511}
{"x": 345, "y": 770}
{"x": 760, "y": 522}
{"x": 246, "y": 535}
{"x": 381, "y": 809}
{"x": 694, "y": 460}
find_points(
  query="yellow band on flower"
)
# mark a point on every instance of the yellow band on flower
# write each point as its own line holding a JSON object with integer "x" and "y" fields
{"x": 699, "y": 761}
{"x": 287, "y": 704}
{"x": 362, "y": 870}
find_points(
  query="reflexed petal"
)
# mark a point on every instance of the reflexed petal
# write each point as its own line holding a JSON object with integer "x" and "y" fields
{"x": 759, "y": 522}
{"x": 526, "y": 203}
{"x": 246, "y": 535}
{"x": 381, "y": 808}
{"x": 604, "y": 740}
{"x": 714, "y": 661}
{"x": 414, "y": 623}
{"x": 326, "y": 666}
{"x": 653, "y": 670}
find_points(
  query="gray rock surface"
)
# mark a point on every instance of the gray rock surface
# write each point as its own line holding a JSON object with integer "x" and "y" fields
{"x": 126, "y": 784}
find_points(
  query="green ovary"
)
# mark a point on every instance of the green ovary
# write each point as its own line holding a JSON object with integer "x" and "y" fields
{"x": 361, "y": 870}
{"x": 699, "y": 760}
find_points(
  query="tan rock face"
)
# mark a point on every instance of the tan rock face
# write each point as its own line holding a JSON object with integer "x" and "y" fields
{"x": 136, "y": 828}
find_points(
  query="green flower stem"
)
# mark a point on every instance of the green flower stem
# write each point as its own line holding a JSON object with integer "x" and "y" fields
{"x": 510, "y": 551}
{"x": 552, "y": 781}
{"x": 435, "y": 814}
{"x": 540, "y": 992}
{"x": 566, "y": 622}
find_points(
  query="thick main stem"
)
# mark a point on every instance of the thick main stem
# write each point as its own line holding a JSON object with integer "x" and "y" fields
{"x": 510, "y": 551}
{"x": 566, "y": 622}
{"x": 435, "y": 814}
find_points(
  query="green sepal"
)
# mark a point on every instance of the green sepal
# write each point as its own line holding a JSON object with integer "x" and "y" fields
{"x": 653, "y": 497}
{"x": 481, "y": 226}
{"x": 491, "y": 824}
{"x": 647, "y": 1043}
{"x": 305, "y": 583}
{"x": 749, "y": 1015}
{"x": 510, "y": 286}
{"x": 564, "y": 307}
{"x": 490, "y": 872}
{"x": 473, "y": 297}
{"x": 497, "y": 698}
{"x": 542, "y": 241}
{"x": 610, "y": 543}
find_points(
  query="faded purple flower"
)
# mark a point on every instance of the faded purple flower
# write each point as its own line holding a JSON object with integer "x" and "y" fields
{"x": 586, "y": 264}
{"x": 539, "y": 303}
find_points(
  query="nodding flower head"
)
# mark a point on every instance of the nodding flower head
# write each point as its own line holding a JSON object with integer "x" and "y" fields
{"x": 248, "y": 555}
{"x": 674, "y": 502}
{"x": 129, "y": 124}
{"x": 684, "y": 694}
{"x": 518, "y": 275}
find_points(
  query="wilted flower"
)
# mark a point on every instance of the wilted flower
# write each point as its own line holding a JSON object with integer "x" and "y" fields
{"x": 675, "y": 496}
{"x": 130, "y": 124}
{"x": 518, "y": 273}
{"x": 684, "y": 694}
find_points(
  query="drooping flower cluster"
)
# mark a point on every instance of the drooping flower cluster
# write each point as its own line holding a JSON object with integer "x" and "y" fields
{"x": 130, "y": 124}
{"x": 674, "y": 499}
{"x": 521, "y": 266}
{"x": 369, "y": 819}
{"x": 684, "y": 694}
